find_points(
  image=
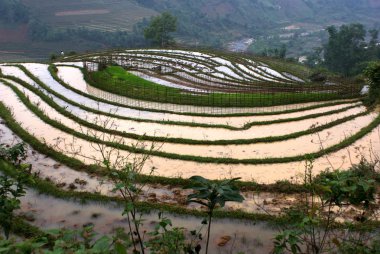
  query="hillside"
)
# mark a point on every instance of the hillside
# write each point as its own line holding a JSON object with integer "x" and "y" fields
{"x": 211, "y": 23}
{"x": 110, "y": 15}
{"x": 257, "y": 16}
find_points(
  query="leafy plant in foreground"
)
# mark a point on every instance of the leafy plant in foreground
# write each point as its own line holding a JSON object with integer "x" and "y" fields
{"x": 123, "y": 172}
{"x": 11, "y": 189}
{"x": 311, "y": 226}
{"x": 165, "y": 239}
{"x": 212, "y": 194}
{"x": 10, "y": 192}
{"x": 15, "y": 154}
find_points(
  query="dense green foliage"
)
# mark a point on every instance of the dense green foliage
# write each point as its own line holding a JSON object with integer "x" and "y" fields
{"x": 372, "y": 73}
{"x": 10, "y": 192}
{"x": 275, "y": 52}
{"x": 329, "y": 195}
{"x": 210, "y": 23}
{"x": 11, "y": 189}
{"x": 214, "y": 21}
{"x": 347, "y": 49}
{"x": 212, "y": 194}
{"x": 356, "y": 186}
{"x": 160, "y": 28}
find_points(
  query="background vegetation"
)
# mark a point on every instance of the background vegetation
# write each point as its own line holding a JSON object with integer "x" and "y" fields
{"x": 78, "y": 26}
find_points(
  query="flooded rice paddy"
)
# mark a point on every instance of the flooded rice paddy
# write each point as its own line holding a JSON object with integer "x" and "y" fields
{"x": 351, "y": 116}
{"x": 246, "y": 236}
{"x": 172, "y": 167}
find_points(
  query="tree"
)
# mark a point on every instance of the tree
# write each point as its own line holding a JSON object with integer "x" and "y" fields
{"x": 372, "y": 73}
{"x": 374, "y": 36}
{"x": 282, "y": 52}
{"x": 373, "y": 45}
{"x": 314, "y": 59}
{"x": 345, "y": 48}
{"x": 160, "y": 28}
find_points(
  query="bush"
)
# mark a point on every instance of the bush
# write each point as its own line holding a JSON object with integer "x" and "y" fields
{"x": 372, "y": 73}
{"x": 318, "y": 77}
{"x": 53, "y": 57}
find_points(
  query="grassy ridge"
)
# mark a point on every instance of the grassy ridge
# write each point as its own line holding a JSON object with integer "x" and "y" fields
{"x": 66, "y": 113}
{"x": 346, "y": 142}
{"x": 281, "y": 186}
{"x": 116, "y": 80}
{"x": 77, "y": 165}
{"x": 247, "y": 125}
{"x": 54, "y": 75}
{"x": 50, "y": 189}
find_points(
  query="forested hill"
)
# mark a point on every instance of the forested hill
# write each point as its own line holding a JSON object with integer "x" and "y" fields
{"x": 79, "y": 24}
{"x": 221, "y": 18}
{"x": 258, "y": 15}
{"x": 245, "y": 12}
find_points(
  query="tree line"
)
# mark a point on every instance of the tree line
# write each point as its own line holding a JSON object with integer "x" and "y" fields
{"x": 348, "y": 50}
{"x": 154, "y": 32}
{"x": 157, "y": 32}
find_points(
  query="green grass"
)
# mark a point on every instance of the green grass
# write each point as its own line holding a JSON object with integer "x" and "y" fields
{"x": 119, "y": 80}
{"x": 116, "y": 80}
{"x": 55, "y": 76}
{"x": 22, "y": 228}
{"x": 192, "y": 124}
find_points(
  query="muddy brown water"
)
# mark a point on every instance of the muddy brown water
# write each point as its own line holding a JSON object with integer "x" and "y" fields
{"x": 42, "y": 73}
{"x": 63, "y": 176}
{"x": 199, "y": 133}
{"x": 267, "y": 173}
{"x": 262, "y": 173}
{"x": 329, "y": 137}
{"x": 250, "y": 237}
{"x": 50, "y": 213}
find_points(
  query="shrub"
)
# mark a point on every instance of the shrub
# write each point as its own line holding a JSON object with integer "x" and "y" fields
{"x": 372, "y": 73}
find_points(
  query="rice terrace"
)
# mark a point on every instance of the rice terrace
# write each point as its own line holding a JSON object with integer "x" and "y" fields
{"x": 173, "y": 114}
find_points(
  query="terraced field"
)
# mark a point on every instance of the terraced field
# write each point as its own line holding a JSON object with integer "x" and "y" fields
{"x": 242, "y": 141}
{"x": 98, "y": 15}
{"x": 66, "y": 119}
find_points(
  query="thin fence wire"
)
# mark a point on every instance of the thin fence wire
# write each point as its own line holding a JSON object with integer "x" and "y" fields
{"x": 206, "y": 97}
